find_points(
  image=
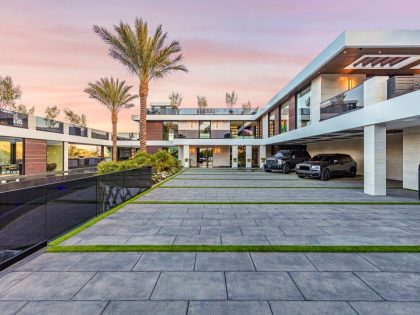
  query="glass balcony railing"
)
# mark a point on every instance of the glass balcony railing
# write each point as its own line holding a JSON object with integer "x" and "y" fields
{"x": 99, "y": 134}
{"x": 9, "y": 118}
{"x": 78, "y": 131}
{"x": 400, "y": 85}
{"x": 128, "y": 136}
{"x": 49, "y": 125}
{"x": 197, "y": 111}
{"x": 343, "y": 103}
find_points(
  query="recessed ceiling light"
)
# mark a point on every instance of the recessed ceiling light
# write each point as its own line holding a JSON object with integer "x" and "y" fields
{"x": 345, "y": 52}
{"x": 379, "y": 52}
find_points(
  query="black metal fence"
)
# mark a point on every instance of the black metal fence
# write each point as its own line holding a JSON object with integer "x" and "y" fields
{"x": 34, "y": 215}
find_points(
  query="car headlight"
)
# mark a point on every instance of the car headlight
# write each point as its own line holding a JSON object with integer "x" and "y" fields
{"x": 297, "y": 166}
{"x": 279, "y": 162}
{"x": 315, "y": 167}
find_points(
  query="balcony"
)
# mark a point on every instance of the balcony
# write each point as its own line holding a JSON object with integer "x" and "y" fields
{"x": 99, "y": 134}
{"x": 78, "y": 131}
{"x": 127, "y": 136}
{"x": 49, "y": 125}
{"x": 196, "y": 111}
{"x": 13, "y": 119}
{"x": 400, "y": 85}
{"x": 342, "y": 103}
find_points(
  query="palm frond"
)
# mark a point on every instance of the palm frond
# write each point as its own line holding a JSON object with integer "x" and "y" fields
{"x": 114, "y": 94}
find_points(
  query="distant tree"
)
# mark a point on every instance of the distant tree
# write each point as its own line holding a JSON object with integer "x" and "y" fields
{"x": 75, "y": 119}
{"x": 231, "y": 99}
{"x": 202, "y": 102}
{"x": 115, "y": 95}
{"x": 22, "y": 109}
{"x": 51, "y": 113}
{"x": 149, "y": 57}
{"x": 175, "y": 99}
{"x": 246, "y": 106}
{"x": 9, "y": 93}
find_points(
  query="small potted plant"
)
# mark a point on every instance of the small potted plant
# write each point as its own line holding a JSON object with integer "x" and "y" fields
{"x": 263, "y": 160}
{"x": 235, "y": 160}
{"x": 248, "y": 160}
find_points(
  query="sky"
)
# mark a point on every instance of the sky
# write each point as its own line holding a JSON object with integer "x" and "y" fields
{"x": 252, "y": 47}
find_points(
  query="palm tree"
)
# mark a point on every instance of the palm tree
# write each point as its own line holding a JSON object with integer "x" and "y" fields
{"x": 115, "y": 95}
{"x": 147, "y": 57}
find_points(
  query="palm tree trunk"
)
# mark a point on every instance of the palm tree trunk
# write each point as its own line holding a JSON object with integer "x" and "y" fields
{"x": 143, "y": 92}
{"x": 114, "y": 120}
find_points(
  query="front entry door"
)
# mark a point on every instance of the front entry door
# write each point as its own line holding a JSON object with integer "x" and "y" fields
{"x": 205, "y": 157}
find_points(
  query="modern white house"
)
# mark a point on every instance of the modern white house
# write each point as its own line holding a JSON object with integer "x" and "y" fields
{"x": 360, "y": 96}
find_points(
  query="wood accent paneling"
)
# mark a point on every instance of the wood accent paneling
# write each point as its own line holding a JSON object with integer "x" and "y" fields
{"x": 292, "y": 113}
{"x": 154, "y": 130}
{"x": 35, "y": 156}
{"x": 153, "y": 149}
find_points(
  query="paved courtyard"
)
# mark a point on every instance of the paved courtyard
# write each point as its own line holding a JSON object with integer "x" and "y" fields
{"x": 231, "y": 283}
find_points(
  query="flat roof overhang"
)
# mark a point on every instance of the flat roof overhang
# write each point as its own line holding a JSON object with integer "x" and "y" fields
{"x": 396, "y": 113}
{"x": 351, "y": 46}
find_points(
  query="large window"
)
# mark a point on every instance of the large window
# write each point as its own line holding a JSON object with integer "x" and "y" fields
{"x": 54, "y": 156}
{"x": 243, "y": 129}
{"x": 284, "y": 118}
{"x": 83, "y": 155}
{"x": 11, "y": 156}
{"x": 304, "y": 108}
{"x": 272, "y": 123}
{"x": 205, "y": 129}
{"x": 170, "y": 130}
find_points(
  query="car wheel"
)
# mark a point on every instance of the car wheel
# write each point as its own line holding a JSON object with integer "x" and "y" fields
{"x": 267, "y": 171}
{"x": 352, "y": 172}
{"x": 326, "y": 174}
{"x": 301, "y": 176}
{"x": 286, "y": 169}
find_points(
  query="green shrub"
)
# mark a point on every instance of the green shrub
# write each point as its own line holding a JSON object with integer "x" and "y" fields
{"x": 162, "y": 163}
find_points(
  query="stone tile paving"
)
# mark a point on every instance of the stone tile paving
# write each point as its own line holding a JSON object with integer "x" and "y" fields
{"x": 227, "y": 283}
{"x": 212, "y": 283}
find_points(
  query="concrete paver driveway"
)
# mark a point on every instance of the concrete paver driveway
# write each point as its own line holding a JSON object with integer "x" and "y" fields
{"x": 232, "y": 283}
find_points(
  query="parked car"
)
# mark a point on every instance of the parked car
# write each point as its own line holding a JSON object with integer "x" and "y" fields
{"x": 286, "y": 160}
{"x": 325, "y": 166}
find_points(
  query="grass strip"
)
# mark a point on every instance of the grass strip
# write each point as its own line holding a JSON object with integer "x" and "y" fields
{"x": 285, "y": 187}
{"x": 94, "y": 220}
{"x": 238, "y": 248}
{"x": 151, "y": 202}
{"x": 249, "y": 178}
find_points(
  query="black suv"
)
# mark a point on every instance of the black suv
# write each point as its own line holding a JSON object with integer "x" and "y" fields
{"x": 325, "y": 166}
{"x": 286, "y": 160}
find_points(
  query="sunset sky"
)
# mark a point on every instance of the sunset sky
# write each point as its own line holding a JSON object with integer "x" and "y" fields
{"x": 252, "y": 47}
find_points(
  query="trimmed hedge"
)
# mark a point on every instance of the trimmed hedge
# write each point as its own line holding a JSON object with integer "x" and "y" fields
{"x": 162, "y": 162}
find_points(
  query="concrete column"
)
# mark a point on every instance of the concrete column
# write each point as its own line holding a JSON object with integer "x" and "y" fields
{"x": 234, "y": 156}
{"x": 316, "y": 100}
{"x": 375, "y": 160}
{"x": 411, "y": 157}
{"x": 180, "y": 153}
{"x": 263, "y": 156}
{"x": 375, "y": 90}
{"x": 186, "y": 156}
{"x": 248, "y": 156}
{"x": 264, "y": 127}
{"x": 65, "y": 156}
{"x": 66, "y": 128}
{"x": 31, "y": 122}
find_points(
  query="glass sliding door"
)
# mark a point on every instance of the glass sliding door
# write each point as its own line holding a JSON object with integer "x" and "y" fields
{"x": 304, "y": 108}
{"x": 284, "y": 118}
{"x": 11, "y": 156}
{"x": 205, "y": 129}
{"x": 54, "y": 156}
